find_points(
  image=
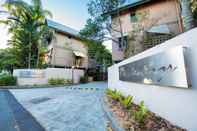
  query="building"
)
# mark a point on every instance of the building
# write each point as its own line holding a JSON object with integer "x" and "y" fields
{"x": 163, "y": 19}
{"x": 66, "y": 49}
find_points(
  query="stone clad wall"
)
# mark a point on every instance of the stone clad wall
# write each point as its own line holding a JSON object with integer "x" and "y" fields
{"x": 168, "y": 15}
{"x": 63, "y": 48}
{"x": 175, "y": 104}
{"x": 43, "y": 75}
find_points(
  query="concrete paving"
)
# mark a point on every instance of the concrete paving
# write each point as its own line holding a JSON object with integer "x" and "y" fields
{"x": 73, "y": 108}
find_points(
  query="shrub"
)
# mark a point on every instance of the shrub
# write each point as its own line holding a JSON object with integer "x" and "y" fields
{"x": 114, "y": 94}
{"x": 60, "y": 81}
{"x": 68, "y": 81}
{"x": 127, "y": 102}
{"x": 141, "y": 114}
{"x": 7, "y": 80}
{"x": 56, "y": 81}
{"x": 83, "y": 79}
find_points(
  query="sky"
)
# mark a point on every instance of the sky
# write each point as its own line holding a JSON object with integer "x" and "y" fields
{"x": 72, "y": 13}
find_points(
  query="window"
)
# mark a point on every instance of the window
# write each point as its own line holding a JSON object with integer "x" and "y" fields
{"x": 123, "y": 45}
{"x": 133, "y": 17}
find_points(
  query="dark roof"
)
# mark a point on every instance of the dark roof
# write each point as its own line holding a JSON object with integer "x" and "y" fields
{"x": 62, "y": 28}
{"x": 129, "y": 4}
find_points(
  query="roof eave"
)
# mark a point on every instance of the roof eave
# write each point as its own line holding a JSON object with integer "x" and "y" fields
{"x": 128, "y": 7}
{"x": 66, "y": 33}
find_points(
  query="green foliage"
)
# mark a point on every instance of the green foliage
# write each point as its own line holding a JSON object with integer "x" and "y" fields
{"x": 193, "y": 5}
{"x": 7, "y": 80}
{"x": 92, "y": 30}
{"x": 99, "y": 25}
{"x": 109, "y": 92}
{"x": 141, "y": 114}
{"x": 83, "y": 79}
{"x": 8, "y": 60}
{"x": 68, "y": 81}
{"x": 114, "y": 94}
{"x": 99, "y": 53}
{"x": 127, "y": 102}
{"x": 194, "y": 8}
{"x": 29, "y": 31}
{"x": 59, "y": 81}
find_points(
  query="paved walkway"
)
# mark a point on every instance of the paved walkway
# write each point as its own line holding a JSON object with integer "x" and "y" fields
{"x": 13, "y": 117}
{"x": 74, "y": 108}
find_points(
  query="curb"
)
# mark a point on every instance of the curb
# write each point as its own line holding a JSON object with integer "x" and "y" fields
{"x": 110, "y": 117}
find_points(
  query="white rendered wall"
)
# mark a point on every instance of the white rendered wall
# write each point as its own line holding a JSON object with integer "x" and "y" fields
{"x": 49, "y": 73}
{"x": 175, "y": 104}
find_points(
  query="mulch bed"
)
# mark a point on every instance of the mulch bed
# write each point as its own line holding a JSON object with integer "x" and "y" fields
{"x": 127, "y": 122}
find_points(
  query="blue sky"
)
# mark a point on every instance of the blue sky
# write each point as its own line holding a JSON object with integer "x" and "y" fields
{"x": 72, "y": 13}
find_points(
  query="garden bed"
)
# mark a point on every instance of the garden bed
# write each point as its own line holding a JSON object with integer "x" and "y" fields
{"x": 137, "y": 118}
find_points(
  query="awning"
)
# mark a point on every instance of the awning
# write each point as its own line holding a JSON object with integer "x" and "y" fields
{"x": 163, "y": 29}
{"x": 80, "y": 54}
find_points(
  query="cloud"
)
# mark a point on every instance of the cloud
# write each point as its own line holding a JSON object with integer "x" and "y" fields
{"x": 4, "y": 36}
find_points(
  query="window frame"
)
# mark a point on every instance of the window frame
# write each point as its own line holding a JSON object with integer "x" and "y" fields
{"x": 133, "y": 17}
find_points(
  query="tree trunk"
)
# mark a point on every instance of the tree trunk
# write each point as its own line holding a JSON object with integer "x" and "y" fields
{"x": 29, "y": 59}
{"x": 38, "y": 57}
{"x": 29, "y": 55}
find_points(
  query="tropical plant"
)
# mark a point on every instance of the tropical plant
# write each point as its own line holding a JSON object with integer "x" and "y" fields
{"x": 83, "y": 79}
{"x": 127, "y": 102}
{"x": 7, "y": 80}
{"x": 68, "y": 81}
{"x": 114, "y": 94}
{"x": 56, "y": 81}
{"x": 8, "y": 60}
{"x": 141, "y": 114}
{"x": 109, "y": 92}
{"x": 28, "y": 29}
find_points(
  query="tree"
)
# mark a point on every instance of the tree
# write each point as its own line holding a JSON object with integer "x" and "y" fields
{"x": 92, "y": 30}
{"x": 100, "y": 27}
{"x": 99, "y": 53}
{"x": 8, "y": 59}
{"x": 28, "y": 29}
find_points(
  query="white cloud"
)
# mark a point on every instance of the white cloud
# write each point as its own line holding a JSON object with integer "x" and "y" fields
{"x": 3, "y": 30}
{"x": 3, "y": 36}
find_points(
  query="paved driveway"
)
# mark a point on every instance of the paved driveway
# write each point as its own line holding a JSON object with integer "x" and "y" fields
{"x": 13, "y": 117}
{"x": 75, "y": 108}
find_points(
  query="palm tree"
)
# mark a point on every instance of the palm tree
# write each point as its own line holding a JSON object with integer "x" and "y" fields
{"x": 27, "y": 24}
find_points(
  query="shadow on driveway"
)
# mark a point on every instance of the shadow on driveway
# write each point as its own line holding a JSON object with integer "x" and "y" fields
{"x": 13, "y": 117}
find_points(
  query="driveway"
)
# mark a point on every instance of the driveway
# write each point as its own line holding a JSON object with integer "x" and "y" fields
{"x": 13, "y": 117}
{"x": 73, "y": 108}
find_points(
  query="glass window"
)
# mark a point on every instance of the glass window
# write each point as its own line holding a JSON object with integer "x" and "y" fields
{"x": 123, "y": 45}
{"x": 133, "y": 17}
